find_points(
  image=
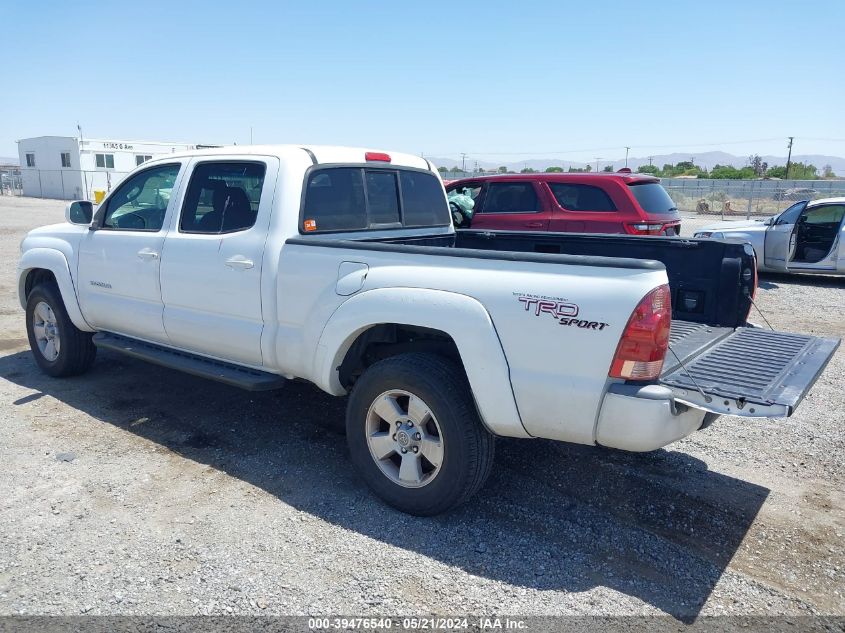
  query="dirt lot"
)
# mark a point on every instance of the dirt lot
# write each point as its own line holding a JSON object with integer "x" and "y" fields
{"x": 138, "y": 490}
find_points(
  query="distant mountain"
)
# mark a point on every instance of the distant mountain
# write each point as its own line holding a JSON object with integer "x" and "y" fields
{"x": 8, "y": 160}
{"x": 704, "y": 159}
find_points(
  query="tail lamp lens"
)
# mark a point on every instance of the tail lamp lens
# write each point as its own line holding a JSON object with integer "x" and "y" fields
{"x": 645, "y": 340}
{"x": 642, "y": 228}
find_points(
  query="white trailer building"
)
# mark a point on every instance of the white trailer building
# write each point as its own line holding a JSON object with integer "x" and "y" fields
{"x": 72, "y": 168}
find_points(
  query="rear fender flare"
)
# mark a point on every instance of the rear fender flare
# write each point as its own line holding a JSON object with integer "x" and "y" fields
{"x": 54, "y": 261}
{"x": 461, "y": 317}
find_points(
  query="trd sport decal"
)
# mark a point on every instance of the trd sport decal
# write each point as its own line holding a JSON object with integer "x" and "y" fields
{"x": 561, "y": 310}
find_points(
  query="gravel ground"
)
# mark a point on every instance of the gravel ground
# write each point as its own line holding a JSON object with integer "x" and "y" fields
{"x": 139, "y": 490}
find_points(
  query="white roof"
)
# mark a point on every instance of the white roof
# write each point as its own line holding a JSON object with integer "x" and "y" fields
{"x": 839, "y": 200}
{"x": 323, "y": 153}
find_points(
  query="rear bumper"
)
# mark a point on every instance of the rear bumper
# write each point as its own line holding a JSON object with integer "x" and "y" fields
{"x": 644, "y": 418}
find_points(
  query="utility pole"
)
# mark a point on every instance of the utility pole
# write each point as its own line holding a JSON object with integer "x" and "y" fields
{"x": 650, "y": 158}
{"x": 463, "y": 162}
{"x": 788, "y": 159}
{"x": 84, "y": 175}
{"x": 250, "y": 135}
{"x": 598, "y": 158}
{"x": 626, "y": 155}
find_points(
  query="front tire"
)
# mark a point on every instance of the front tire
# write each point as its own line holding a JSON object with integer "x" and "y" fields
{"x": 414, "y": 434}
{"x": 60, "y": 348}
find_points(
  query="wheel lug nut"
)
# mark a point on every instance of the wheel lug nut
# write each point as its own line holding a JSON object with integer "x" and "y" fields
{"x": 404, "y": 450}
{"x": 416, "y": 449}
{"x": 417, "y": 436}
{"x": 394, "y": 437}
{"x": 398, "y": 424}
{"x": 410, "y": 424}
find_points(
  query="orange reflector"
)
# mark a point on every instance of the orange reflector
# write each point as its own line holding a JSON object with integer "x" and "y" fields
{"x": 310, "y": 225}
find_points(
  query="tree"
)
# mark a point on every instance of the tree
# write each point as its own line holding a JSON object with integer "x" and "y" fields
{"x": 442, "y": 169}
{"x": 758, "y": 165}
{"x": 608, "y": 168}
{"x": 648, "y": 169}
{"x": 827, "y": 172}
{"x": 729, "y": 172}
{"x": 502, "y": 169}
{"x": 554, "y": 170}
{"x": 528, "y": 170}
{"x": 801, "y": 171}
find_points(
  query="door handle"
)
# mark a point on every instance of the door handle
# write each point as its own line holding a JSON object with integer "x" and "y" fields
{"x": 147, "y": 253}
{"x": 534, "y": 225}
{"x": 239, "y": 262}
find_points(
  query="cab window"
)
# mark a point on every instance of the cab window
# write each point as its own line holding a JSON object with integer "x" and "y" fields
{"x": 140, "y": 203}
{"x": 354, "y": 199}
{"x": 222, "y": 197}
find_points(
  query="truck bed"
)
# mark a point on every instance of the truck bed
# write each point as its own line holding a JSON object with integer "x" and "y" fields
{"x": 715, "y": 362}
{"x": 711, "y": 281}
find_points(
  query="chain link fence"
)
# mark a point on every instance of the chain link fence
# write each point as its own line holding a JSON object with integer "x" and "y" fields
{"x": 10, "y": 180}
{"x": 59, "y": 184}
{"x": 746, "y": 198}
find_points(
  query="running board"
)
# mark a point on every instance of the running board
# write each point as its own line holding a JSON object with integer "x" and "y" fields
{"x": 228, "y": 373}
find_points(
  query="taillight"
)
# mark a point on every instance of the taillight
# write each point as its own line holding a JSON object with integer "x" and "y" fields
{"x": 379, "y": 156}
{"x": 645, "y": 340}
{"x": 643, "y": 228}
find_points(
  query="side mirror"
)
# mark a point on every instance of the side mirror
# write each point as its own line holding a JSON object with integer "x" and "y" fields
{"x": 79, "y": 212}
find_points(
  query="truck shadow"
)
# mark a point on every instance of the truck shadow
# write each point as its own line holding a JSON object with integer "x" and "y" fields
{"x": 769, "y": 281}
{"x": 660, "y": 526}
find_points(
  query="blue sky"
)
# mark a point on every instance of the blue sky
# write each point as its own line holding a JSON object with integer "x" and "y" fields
{"x": 498, "y": 80}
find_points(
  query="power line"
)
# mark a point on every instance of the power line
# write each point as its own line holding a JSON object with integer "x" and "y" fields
{"x": 617, "y": 147}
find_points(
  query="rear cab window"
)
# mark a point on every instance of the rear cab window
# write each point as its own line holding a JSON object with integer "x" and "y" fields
{"x": 652, "y": 198}
{"x": 364, "y": 198}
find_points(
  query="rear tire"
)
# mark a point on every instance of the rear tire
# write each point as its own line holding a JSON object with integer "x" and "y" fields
{"x": 60, "y": 348}
{"x": 414, "y": 434}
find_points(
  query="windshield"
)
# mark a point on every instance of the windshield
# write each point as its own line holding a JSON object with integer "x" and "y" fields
{"x": 652, "y": 198}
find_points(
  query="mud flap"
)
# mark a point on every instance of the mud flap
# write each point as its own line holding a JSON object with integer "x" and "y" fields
{"x": 749, "y": 372}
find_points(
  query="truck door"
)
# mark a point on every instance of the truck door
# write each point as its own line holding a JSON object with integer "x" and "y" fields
{"x": 780, "y": 240}
{"x": 211, "y": 264}
{"x": 119, "y": 259}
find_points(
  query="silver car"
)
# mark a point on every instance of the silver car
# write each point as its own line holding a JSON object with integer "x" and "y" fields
{"x": 806, "y": 237}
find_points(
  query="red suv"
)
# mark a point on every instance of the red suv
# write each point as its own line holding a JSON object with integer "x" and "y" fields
{"x": 572, "y": 203}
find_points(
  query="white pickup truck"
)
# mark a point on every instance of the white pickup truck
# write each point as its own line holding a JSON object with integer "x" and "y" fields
{"x": 340, "y": 266}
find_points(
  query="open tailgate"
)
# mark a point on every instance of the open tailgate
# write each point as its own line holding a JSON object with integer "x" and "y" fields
{"x": 747, "y": 371}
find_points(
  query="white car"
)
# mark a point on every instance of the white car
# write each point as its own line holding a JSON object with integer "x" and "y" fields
{"x": 806, "y": 237}
{"x": 341, "y": 266}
